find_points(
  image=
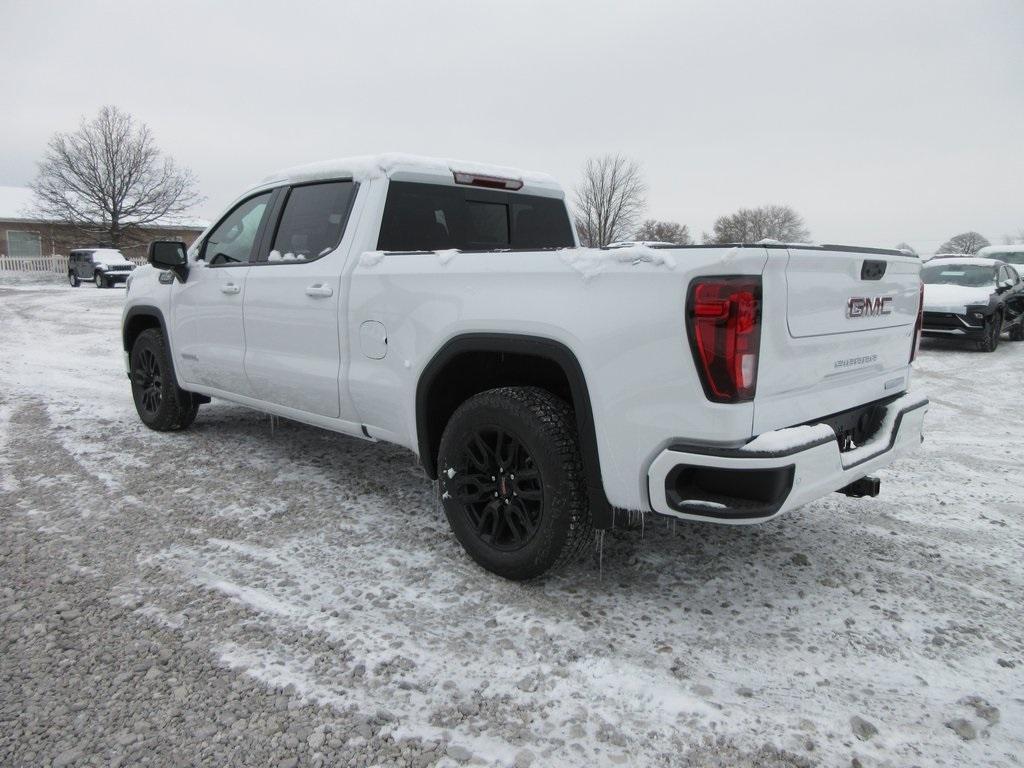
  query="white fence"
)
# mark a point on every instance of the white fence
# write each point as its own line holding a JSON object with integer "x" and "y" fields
{"x": 55, "y": 263}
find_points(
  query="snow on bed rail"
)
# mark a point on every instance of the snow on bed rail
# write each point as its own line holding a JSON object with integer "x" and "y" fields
{"x": 591, "y": 262}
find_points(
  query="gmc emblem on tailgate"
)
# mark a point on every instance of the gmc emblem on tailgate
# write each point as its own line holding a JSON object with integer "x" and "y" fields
{"x": 862, "y": 306}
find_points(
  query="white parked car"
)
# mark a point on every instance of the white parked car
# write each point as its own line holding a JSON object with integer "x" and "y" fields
{"x": 446, "y": 307}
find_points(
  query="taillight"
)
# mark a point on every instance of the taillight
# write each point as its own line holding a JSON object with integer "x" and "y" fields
{"x": 918, "y": 325}
{"x": 724, "y": 323}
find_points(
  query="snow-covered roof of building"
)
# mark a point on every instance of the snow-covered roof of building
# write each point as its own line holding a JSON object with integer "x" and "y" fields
{"x": 16, "y": 202}
{"x": 365, "y": 167}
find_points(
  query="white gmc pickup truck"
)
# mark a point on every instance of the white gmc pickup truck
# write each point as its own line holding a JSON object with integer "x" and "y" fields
{"x": 447, "y": 307}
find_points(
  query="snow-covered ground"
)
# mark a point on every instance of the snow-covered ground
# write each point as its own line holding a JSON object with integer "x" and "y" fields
{"x": 887, "y": 631}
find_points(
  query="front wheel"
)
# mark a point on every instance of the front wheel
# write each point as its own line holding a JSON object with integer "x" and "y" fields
{"x": 1017, "y": 332}
{"x": 512, "y": 482}
{"x": 161, "y": 403}
{"x": 993, "y": 329}
{"x": 101, "y": 281}
{"x": 73, "y": 279}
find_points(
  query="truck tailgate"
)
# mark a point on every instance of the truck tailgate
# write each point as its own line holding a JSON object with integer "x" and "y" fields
{"x": 837, "y": 331}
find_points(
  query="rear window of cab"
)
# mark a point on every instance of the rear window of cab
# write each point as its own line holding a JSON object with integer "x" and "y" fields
{"x": 434, "y": 217}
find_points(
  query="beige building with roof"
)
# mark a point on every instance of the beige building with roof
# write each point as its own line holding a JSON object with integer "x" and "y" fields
{"x": 24, "y": 237}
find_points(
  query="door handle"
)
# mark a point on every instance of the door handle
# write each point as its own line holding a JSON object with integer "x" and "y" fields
{"x": 319, "y": 291}
{"x": 230, "y": 288}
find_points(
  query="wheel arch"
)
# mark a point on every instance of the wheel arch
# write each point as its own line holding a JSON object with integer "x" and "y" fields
{"x": 475, "y": 362}
{"x": 139, "y": 318}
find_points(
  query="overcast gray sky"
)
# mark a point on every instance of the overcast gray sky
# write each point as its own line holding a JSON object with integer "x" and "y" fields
{"x": 878, "y": 121}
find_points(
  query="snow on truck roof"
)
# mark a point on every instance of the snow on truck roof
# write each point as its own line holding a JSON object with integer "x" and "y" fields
{"x": 366, "y": 167}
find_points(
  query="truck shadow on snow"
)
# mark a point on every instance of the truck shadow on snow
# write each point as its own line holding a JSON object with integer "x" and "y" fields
{"x": 649, "y": 555}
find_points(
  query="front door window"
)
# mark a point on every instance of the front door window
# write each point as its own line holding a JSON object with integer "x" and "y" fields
{"x": 233, "y": 240}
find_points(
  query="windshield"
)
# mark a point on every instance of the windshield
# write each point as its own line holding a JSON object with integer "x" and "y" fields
{"x": 973, "y": 275}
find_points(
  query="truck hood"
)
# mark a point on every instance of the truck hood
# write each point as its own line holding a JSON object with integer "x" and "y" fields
{"x": 940, "y": 297}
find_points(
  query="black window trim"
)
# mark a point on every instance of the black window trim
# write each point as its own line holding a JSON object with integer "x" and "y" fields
{"x": 274, "y": 191}
{"x": 277, "y": 214}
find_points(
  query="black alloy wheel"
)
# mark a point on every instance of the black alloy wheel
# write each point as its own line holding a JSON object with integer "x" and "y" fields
{"x": 499, "y": 488}
{"x": 512, "y": 483}
{"x": 146, "y": 376}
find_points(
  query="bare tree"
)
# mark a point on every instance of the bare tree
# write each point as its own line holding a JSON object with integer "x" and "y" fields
{"x": 663, "y": 232}
{"x": 108, "y": 179}
{"x": 906, "y": 247}
{"x": 769, "y": 222}
{"x": 609, "y": 200}
{"x": 966, "y": 242}
{"x": 1014, "y": 239}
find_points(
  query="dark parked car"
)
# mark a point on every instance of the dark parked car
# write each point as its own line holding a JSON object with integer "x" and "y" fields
{"x": 973, "y": 298}
{"x": 103, "y": 266}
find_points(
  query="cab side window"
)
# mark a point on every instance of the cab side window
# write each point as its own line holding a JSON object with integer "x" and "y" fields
{"x": 313, "y": 221}
{"x": 233, "y": 240}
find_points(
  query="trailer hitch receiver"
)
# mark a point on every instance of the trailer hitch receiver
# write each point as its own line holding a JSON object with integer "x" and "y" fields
{"x": 866, "y": 486}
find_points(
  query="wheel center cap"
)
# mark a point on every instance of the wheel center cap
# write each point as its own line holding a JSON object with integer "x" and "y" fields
{"x": 503, "y": 485}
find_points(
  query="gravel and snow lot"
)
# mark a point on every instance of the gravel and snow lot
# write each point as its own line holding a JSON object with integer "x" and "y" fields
{"x": 240, "y": 595}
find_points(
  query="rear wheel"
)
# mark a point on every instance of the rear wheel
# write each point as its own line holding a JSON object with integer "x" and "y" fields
{"x": 512, "y": 482}
{"x": 992, "y": 332}
{"x": 160, "y": 403}
{"x": 73, "y": 279}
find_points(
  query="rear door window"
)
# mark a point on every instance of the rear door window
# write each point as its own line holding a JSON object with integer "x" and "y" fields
{"x": 431, "y": 217}
{"x": 313, "y": 221}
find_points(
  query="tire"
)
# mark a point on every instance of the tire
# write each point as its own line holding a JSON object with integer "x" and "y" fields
{"x": 100, "y": 280}
{"x": 518, "y": 527}
{"x": 1017, "y": 332}
{"x": 992, "y": 332}
{"x": 73, "y": 279}
{"x": 161, "y": 404}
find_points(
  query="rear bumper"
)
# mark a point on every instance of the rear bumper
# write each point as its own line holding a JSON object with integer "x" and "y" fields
{"x": 750, "y": 486}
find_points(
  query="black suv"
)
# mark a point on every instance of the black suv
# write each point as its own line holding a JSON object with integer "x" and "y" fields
{"x": 103, "y": 266}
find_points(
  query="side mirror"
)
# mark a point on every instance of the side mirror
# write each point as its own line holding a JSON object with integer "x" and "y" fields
{"x": 1005, "y": 285}
{"x": 169, "y": 254}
